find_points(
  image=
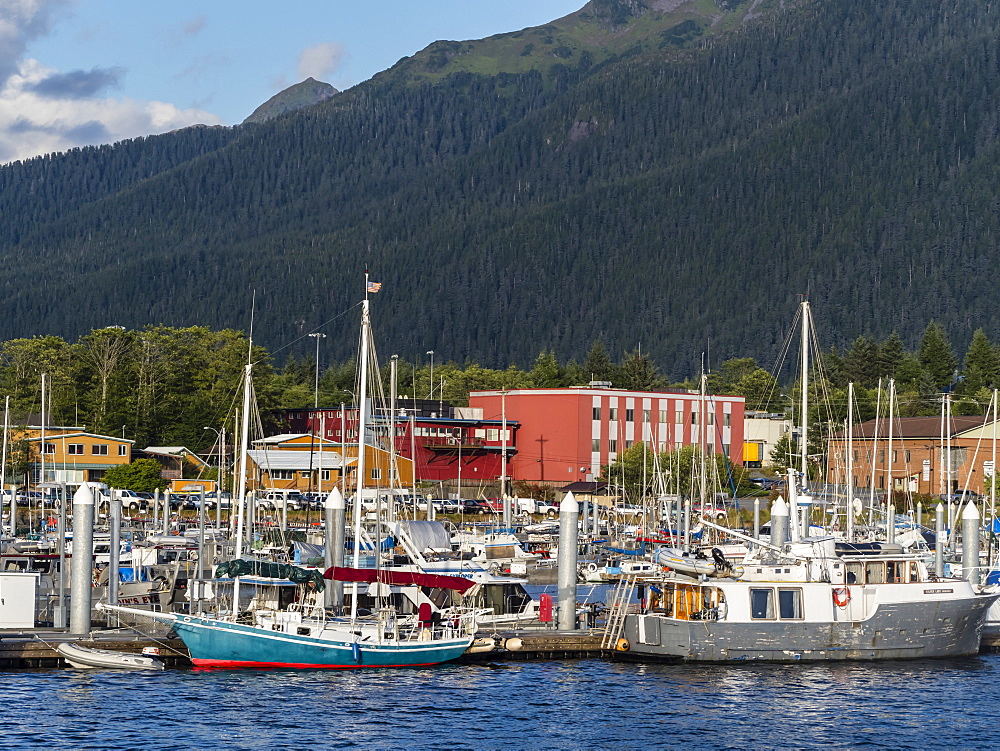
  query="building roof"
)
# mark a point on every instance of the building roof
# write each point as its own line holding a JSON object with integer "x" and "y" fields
{"x": 602, "y": 391}
{"x": 174, "y": 452}
{"x": 585, "y": 488}
{"x": 295, "y": 460}
{"x": 116, "y": 439}
{"x": 912, "y": 427}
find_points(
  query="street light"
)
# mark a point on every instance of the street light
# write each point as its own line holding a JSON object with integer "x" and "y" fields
{"x": 317, "y": 336}
{"x": 431, "y": 353}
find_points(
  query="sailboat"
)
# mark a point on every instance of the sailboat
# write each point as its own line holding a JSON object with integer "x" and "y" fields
{"x": 304, "y": 634}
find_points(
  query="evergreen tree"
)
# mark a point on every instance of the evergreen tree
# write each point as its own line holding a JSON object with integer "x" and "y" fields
{"x": 547, "y": 373}
{"x": 936, "y": 356}
{"x": 862, "y": 363}
{"x": 982, "y": 365}
{"x": 891, "y": 355}
{"x": 638, "y": 373}
{"x": 598, "y": 366}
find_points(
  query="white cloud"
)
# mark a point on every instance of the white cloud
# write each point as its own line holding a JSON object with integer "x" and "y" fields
{"x": 43, "y": 110}
{"x": 21, "y": 21}
{"x": 320, "y": 61}
{"x": 33, "y": 124}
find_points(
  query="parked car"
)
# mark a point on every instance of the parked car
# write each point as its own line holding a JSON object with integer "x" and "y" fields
{"x": 766, "y": 483}
{"x": 471, "y": 506}
{"x": 275, "y": 499}
{"x": 962, "y": 496}
{"x": 176, "y": 501}
{"x": 446, "y": 505}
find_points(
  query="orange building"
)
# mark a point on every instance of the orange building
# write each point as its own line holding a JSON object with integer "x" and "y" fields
{"x": 75, "y": 457}
{"x": 303, "y": 462}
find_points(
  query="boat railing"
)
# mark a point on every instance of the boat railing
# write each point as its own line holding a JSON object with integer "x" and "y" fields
{"x": 452, "y": 624}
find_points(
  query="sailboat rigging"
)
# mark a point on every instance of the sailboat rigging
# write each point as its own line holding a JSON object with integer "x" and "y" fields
{"x": 306, "y": 634}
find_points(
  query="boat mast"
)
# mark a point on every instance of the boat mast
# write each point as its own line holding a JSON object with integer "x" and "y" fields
{"x": 993, "y": 460}
{"x": 3, "y": 470}
{"x": 362, "y": 427}
{"x": 244, "y": 438}
{"x": 888, "y": 459}
{"x": 805, "y": 393}
{"x": 850, "y": 461}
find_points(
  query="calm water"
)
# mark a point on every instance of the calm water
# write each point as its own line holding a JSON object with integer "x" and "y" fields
{"x": 576, "y": 704}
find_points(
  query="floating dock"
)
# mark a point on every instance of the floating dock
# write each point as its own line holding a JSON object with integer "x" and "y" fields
{"x": 36, "y": 648}
{"x": 541, "y": 644}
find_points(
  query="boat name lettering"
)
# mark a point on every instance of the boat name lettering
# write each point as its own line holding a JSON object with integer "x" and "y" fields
{"x": 938, "y": 591}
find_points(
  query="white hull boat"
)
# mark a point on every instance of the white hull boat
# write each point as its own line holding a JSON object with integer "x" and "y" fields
{"x": 105, "y": 659}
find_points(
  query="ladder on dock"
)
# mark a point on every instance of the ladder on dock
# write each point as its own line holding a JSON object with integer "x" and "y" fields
{"x": 619, "y": 609}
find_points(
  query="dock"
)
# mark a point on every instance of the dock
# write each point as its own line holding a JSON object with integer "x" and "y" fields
{"x": 35, "y": 648}
{"x": 542, "y": 644}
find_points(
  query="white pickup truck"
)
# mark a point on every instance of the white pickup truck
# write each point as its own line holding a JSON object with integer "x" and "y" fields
{"x": 531, "y": 506}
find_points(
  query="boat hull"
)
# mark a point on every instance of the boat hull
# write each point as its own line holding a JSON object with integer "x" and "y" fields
{"x": 907, "y": 630}
{"x": 222, "y": 644}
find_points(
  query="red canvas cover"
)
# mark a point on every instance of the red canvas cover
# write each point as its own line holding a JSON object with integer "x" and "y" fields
{"x": 388, "y": 576}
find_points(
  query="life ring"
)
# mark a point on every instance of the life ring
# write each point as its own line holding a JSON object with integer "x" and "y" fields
{"x": 841, "y": 596}
{"x": 592, "y": 568}
{"x": 623, "y": 645}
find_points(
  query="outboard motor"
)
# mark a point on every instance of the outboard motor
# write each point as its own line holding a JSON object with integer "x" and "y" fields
{"x": 721, "y": 563}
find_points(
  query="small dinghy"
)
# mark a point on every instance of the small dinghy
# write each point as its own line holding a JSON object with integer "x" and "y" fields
{"x": 89, "y": 659}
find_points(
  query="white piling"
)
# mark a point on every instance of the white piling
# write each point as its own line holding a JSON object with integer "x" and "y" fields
{"x": 114, "y": 558}
{"x": 569, "y": 512}
{"x": 779, "y": 522}
{"x": 939, "y": 540}
{"x": 970, "y": 543}
{"x": 83, "y": 559}
{"x": 334, "y": 516}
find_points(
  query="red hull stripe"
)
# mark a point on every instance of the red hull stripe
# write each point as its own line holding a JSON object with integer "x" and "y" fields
{"x": 203, "y": 663}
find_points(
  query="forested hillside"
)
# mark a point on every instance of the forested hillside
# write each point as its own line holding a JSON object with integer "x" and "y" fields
{"x": 678, "y": 195}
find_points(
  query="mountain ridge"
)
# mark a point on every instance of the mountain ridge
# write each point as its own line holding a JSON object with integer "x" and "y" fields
{"x": 670, "y": 197}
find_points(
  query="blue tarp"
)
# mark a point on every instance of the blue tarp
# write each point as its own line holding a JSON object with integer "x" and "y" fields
{"x": 628, "y": 551}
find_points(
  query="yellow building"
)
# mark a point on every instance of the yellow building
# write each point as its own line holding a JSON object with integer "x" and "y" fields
{"x": 303, "y": 462}
{"x": 75, "y": 457}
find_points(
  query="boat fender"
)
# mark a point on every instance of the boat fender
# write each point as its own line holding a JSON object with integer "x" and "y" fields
{"x": 623, "y": 645}
{"x": 356, "y": 651}
{"x": 841, "y": 596}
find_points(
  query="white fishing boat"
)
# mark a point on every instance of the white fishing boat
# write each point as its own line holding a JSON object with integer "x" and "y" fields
{"x": 806, "y": 602}
{"x": 87, "y": 658}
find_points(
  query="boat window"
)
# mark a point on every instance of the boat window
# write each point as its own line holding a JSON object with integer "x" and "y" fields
{"x": 894, "y": 571}
{"x": 855, "y": 573}
{"x": 875, "y": 573}
{"x": 914, "y": 571}
{"x": 762, "y": 603}
{"x": 790, "y": 603}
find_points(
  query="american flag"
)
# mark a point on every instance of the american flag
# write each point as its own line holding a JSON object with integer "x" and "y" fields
{"x": 374, "y": 286}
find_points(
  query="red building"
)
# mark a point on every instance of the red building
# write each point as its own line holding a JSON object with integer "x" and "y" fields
{"x": 444, "y": 448}
{"x": 566, "y": 435}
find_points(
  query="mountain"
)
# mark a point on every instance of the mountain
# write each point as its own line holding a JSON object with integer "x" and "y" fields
{"x": 674, "y": 178}
{"x": 303, "y": 94}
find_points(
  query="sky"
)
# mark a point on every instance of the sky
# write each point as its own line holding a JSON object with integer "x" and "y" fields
{"x": 85, "y": 72}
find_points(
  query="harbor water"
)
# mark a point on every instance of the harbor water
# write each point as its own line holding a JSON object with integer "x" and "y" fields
{"x": 565, "y": 704}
